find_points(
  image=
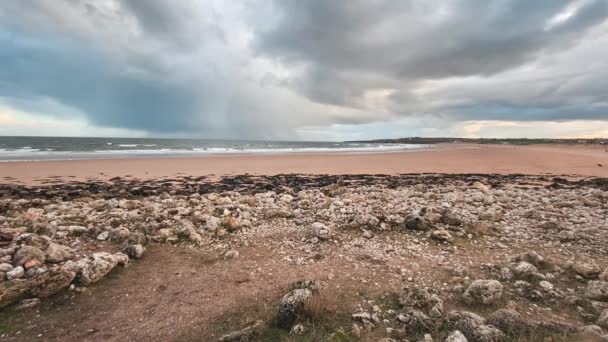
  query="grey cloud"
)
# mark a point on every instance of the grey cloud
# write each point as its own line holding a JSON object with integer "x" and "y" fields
{"x": 402, "y": 42}
{"x": 146, "y": 84}
{"x": 195, "y": 68}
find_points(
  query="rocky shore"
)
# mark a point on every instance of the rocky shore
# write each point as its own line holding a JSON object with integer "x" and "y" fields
{"x": 447, "y": 257}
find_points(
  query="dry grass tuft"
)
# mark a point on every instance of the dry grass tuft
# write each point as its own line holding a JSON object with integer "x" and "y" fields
{"x": 319, "y": 308}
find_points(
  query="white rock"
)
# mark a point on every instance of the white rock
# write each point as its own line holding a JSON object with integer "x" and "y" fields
{"x": 15, "y": 273}
{"x": 484, "y": 291}
{"x": 321, "y": 231}
{"x": 456, "y": 336}
{"x": 232, "y": 254}
{"x": 103, "y": 236}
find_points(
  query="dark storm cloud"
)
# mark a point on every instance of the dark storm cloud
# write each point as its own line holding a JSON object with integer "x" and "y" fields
{"x": 406, "y": 41}
{"x": 84, "y": 78}
{"x": 138, "y": 86}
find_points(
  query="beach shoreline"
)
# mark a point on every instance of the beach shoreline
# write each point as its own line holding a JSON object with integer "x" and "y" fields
{"x": 590, "y": 161}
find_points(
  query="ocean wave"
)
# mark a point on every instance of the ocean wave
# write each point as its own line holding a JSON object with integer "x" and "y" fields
{"x": 49, "y": 154}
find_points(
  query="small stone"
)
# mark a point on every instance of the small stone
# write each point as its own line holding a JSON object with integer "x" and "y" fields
{"x": 416, "y": 222}
{"x": 510, "y": 322}
{"x": 321, "y": 231}
{"x": 212, "y": 223}
{"x": 26, "y": 253}
{"x": 546, "y": 286}
{"x": 442, "y": 235}
{"x": 135, "y": 251}
{"x": 232, "y": 254}
{"x": 292, "y": 303}
{"x": 586, "y": 268}
{"x": 415, "y": 297}
{"x": 362, "y": 316}
{"x": 5, "y": 267}
{"x": 473, "y": 326}
{"x": 566, "y": 235}
{"x": 506, "y": 274}
{"x": 484, "y": 292}
{"x": 524, "y": 269}
{"x": 481, "y": 187}
{"x": 27, "y": 304}
{"x": 103, "y": 236}
{"x": 602, "y": 321}
{"x": 16, "y": 273}
{"x": 32, "y": 263}
{"x": 596, "y": 290}
{"x": 231, "y": 224}
{"x": 456, "y": 336}
{"x": 603, "y": 276}
{"x": 297, "y": 330}
{"x": 449, "y": 218}
{"x": 56, "y": 253}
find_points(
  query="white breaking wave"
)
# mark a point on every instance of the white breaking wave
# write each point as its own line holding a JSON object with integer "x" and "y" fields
{"x": 36, "y": 154}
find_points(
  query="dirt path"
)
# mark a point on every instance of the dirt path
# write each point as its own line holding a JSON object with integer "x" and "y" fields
{"x": 180, "y": 293}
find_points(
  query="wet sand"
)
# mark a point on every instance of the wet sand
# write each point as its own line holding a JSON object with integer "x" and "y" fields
{"x": 447, "y": 158}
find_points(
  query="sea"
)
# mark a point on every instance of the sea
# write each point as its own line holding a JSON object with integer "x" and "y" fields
{"x": 70, "y": 148}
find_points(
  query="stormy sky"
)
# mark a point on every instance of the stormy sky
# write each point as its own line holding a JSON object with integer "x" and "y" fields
{"x": 313, "y": 70}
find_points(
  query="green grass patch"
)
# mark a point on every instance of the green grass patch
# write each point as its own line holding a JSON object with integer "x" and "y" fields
{"x": 6, "y": 321}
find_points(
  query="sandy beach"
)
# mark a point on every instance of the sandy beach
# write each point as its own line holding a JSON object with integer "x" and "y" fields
{"x": 447, "y": 158}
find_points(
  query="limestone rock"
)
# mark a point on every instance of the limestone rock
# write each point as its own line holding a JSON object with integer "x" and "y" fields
{"x": 484, "y": 292}
{"x": 103, "y": 236}
{"x": 135, "y": 251}
{"x": 442, "y": 235}
{"x": 456, "y": 336}
{"x": 524, "y": 269}
{"x": 510, "y": 322}
{"x": 298, "y": 329}
{"x": 417, "y": 320}
{"x": 187, "y": 230}
{"x": 292, "y": 303}
{"x": 16, "y": 273}
{"x": 597, "y": 290}
{"x": 449, "y": 218}
{"x": 291, "y": 306}
{"x": 212, "y": 223}
{"x": 416, "y": 222}
{"x": 586, "y": 268}
{"x": 34, "y": 240}
{"x": 414, "y": 297}
{"x": 474, "y": 327}
{"x": 58, "y": 253}
{"x": 602, "y": 321}
{"x": 27, "y": 253}
{"x": 96, "y": 266}
{"x": 5, "y": 267}
{"x": 41, "y": 286}
{"x": 321, "y": 231}
{"x": 231, "y": 224}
